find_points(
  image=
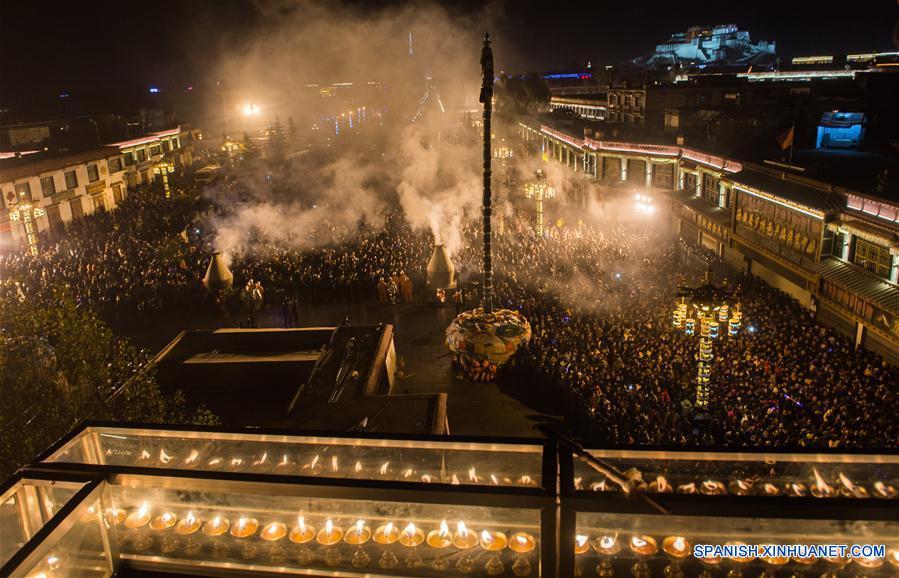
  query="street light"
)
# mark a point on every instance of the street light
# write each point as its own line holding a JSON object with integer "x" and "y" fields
{"x": 26, "y": 212}
{"x": 163, "y": 168}
{"x": 539, "y": 190}
{"x": 705, "y": 309}
{"x": 251, "y": 109}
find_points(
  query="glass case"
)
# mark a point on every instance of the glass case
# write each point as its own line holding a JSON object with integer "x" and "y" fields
{"x": 819, "y": 475}
{"x": 647, "y": 545}
{"x": 282, "y": 528}
{"x": 109, "y": 500}
{"x": 197, "y": 524}
{"x": 26, "y": 505}
{"x": 457, "y": 461}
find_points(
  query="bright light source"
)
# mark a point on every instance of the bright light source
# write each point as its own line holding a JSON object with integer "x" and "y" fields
{"x": 251, "y": 109}
{"x": 154, "y": 90}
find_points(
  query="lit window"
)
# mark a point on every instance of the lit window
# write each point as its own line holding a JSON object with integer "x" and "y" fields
{"x": 873, "y": 257}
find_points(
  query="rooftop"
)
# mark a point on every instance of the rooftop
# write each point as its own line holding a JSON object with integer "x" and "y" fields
{"x": 788, "y": 187}
{"x": 314, "y": 377}
{"x": 14, "y": 168}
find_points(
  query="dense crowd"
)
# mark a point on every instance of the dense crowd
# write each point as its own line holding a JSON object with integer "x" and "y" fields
{"x": 599, "y": 300}
{"x": 604, "y": 334}
{"x": 129, "y": 263}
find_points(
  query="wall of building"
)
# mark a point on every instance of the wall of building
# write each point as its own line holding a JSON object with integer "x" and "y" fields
{"x": 774, "y": 255}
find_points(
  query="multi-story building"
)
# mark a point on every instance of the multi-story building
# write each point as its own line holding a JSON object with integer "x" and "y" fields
{"x": 591, "y": 107}
{"x": 69, "y": 186}
{"x": 66, "y": 187}
{"x": 628, "y": 106}
{"x": 718, "y": 45}
{"x": 834, "y": 249}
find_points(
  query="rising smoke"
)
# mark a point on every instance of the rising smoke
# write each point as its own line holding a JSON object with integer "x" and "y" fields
{"x": 434, "y": 176}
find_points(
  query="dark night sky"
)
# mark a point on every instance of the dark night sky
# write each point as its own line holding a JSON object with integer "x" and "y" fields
{"x": 51, "y": 46}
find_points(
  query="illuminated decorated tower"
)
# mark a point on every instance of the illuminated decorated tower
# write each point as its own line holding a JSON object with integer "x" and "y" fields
{"x": 710, "y": 312}
{"x": 482, "y": 340}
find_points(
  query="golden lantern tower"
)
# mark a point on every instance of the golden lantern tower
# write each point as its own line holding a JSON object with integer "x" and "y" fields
{"x": 24, "y": 210}
{"x": 539, "y": 190}
{"x": 712, "y": 313}
{"x": 165, "y": 168}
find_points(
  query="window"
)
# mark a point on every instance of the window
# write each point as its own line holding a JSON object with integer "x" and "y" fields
{"x": 155, "y": 149}
{"x": 873, "y": 257}
{"x": 141, "y": 155}
{"x": 115, "y": 165}
{"x": 690, "y": 183}
{"x": 93, "y": 175}
{"x": 710, "y": 188}
{"x": 129, "y": 159}
{"x": 71, "y": 180}
{"x": 838, "y": 240}
{"x": 23, "y": 191}
{"x": 47, "y": 186}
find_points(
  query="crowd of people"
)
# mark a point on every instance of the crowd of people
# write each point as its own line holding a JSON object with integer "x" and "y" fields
{"x": 127, "y": 264}
{"x": 599, "y": 299}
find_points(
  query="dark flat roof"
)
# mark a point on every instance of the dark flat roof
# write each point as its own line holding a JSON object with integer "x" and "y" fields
{"x": 791, "y": 190}
{"x": 15, "y": 168}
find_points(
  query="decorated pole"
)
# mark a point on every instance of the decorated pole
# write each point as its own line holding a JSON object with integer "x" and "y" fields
{"x": 487, "y": 100}
{"x": 483, "y": 340}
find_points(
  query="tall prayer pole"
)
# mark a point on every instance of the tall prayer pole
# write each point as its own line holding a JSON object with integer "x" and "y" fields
{"x": 487, "y": 100}
{"x": 482, "y": 340}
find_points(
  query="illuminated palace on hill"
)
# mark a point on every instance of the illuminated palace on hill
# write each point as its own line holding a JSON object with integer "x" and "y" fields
{"x": 719, "y": 45}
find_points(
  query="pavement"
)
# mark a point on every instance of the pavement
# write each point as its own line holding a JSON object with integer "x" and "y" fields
{"x": 510, "y": 409}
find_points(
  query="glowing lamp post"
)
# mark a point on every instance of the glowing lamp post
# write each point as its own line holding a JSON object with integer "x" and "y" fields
{"x": 26, "y": 212}
{"x": 164, "y": 168}
{"x": 539, "y": 190}
{"x": 710, "y": 312}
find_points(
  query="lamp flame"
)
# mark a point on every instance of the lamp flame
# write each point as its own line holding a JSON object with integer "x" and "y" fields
{"x": 192, "y": 457}
{"x": 383, "y": 468}
{"x": 444, "y": 529}
{"x": 580, "y": 540}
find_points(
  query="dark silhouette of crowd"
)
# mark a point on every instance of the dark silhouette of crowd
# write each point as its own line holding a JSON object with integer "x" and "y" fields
{"x": 599, "y": 299}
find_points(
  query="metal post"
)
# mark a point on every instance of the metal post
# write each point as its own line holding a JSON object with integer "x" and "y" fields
{"x": 487, "y": 100}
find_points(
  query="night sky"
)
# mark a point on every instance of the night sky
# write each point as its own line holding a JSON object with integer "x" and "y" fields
{"x": 56, "y": 46}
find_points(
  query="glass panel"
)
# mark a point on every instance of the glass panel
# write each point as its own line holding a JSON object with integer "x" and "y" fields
{"x": 652, "y": 545}
{"x": 277, "y": 533}
{"x": 26, "y": 507}
{"x": 741, "y": 474}
{"x": 464, "y": 463}
{"x": 78, "y": 552}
